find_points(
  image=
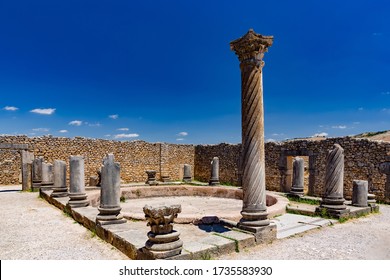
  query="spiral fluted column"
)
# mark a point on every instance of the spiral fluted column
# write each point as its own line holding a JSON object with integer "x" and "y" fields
{"x": 333, "y": 200}
{"x": 250, "y": 50}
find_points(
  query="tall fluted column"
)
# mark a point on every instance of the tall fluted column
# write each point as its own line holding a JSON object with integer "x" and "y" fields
{"x": 250, "y": 50}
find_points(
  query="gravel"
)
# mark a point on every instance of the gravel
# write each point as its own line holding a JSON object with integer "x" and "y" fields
{"x": 30, "y": 228}
{"x": 366, "y": 238}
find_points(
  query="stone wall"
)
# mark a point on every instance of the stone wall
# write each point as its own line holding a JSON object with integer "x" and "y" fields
{"x": 229, "y": 157}
{"x": 362, "y": 158}
{"x": 135, "y": 157}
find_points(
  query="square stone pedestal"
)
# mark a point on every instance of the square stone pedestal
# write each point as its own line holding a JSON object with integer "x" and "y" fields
{"x": 265, "y": 234}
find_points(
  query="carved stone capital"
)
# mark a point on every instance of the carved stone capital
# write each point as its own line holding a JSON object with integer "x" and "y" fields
{"x": 251, "y": 47}
{"x": 160, "y": 219}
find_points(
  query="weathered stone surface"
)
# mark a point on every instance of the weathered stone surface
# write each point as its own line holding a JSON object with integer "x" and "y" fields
{"x": 37, "y": 172}
{"x": 59, "y": 189}
{"x": 151, "y": 177}
{"x": 163, "y": 242}
{"x": 77, "y": 195}
{"x": 298, "y": 177}
{"x": 214, "y": 179}
{"x": 360, "y": 193}
{"x": 47, "y": 174}
{"x": 109, "y": 209}
{"x": 384, "y": 168}
{"x": 333, "y": 199}
{"x": 250, "y": 50}
{"x": 187, "y": 176}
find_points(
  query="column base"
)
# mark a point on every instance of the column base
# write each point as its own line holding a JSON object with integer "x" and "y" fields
{"x": 214, "y": 182}
{"x": 333, "y": 211}
{"x": 109, "y": 216}
{"x": 78, "y": 200}
{"x": 59, "y": 192}
{"x": 187, "y": 180}
{"x": 296, "y": 192}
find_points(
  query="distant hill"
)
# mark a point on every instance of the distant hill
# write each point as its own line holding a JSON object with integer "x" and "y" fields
{"x": 380, "y": 135}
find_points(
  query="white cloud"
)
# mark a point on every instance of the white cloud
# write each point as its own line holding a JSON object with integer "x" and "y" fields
{"x": 76, "y": 123}
{"x": 386, "y": 110}
{"x": 114, "y": 117}
{"x": 377, "y": 34}
{"x": 10, "y": 108}
{"x": 339, "y": 126}
{"x": 121, "y": 136}
{"x": 270, "y": 140}
{"x": 385, "y": 92}
{"x": 107, "y": 135}
{"x": 63, "y": 131}
{"x": 182, "y": 133}
{"x": 41, "y": 129}
{"x": 322, "y": 134}
{"x": 180, "y": 139}
{"x": 94, "y": 124}
{"x": 48, "y": 111}
{"x": 123, "y": 129}
{"x": 360, "y": 109}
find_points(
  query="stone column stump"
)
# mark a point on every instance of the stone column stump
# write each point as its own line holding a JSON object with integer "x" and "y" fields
{"x": 214, "y": 180}
{"x": 109, "y": 209}
{"x": 59, "y": 188}
{"x": 384, "y": 168}
{"x": 37, "y": 173}
{"x": 151, "y": 181}
{"x": 187, "y": 176}
{"x": 163, "y": 241}
{"x": 298, "y": 177}
{"x": 360, "y": 193}
{"x": 333, "y": 199}
{"x": 47, "y": 175}
{"x": 77, "y": 195}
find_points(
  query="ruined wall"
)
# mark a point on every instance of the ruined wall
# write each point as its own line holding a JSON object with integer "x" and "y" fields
{"x": 173, "y": 158}
{"x": 229, "y": 157}
{"x": 362, "y": 158}
{"x": 135, "y": 157}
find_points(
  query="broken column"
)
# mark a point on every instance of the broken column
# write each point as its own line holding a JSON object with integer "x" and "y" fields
{"x": 250, "y": 50}
{"x": 333, "y": 199}
{"x": 151, "y": 181}
{"x": 187, "y": 177}
{"x": 384, "y": 168}
{"x": 109, "y": 209}
{"x": 298, "y": 177}
{"x": 77, "y": 195}
{"x": 27, "y": 176}
{"x": 214, "y": 180}
{"x": 37, "y": 172}
{"x": 59, "y": 188}
{"x": 47, "y": 175}
{"x": 163, "y": 241}
{"x": 359, "y": 193}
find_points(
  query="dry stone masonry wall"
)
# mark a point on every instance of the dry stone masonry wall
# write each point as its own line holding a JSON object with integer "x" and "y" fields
{"x": 362, "y": 159}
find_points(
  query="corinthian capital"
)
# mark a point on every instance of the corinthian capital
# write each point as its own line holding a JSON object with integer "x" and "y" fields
{"x": 251, "y": 46}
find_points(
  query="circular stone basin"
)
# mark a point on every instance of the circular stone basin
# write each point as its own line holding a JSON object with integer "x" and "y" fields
{"x": 200, "y": 204}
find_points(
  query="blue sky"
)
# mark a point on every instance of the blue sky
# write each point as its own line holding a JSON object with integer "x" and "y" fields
{"x": 163, "y": 71}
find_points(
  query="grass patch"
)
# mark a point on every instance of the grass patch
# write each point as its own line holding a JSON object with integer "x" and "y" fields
{"x": 206, "y": 256}
{"x": 237, "y": 247}
{"x": 303, "y": 200}
{"x": 122, "y": 199}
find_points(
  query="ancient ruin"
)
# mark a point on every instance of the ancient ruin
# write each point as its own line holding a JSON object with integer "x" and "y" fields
{"x": 214, "y": 178}
{"x": 163, "y": 241}
{"x": 59, "y": 188}
{"x": 151, "y": 181}
{"x": 333, "y": 199}
{"x": 250, "y": 50}
{"x": 298, "y": 177}
{"x": 109, "y": 209}
{"x": 77, "y": 195}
